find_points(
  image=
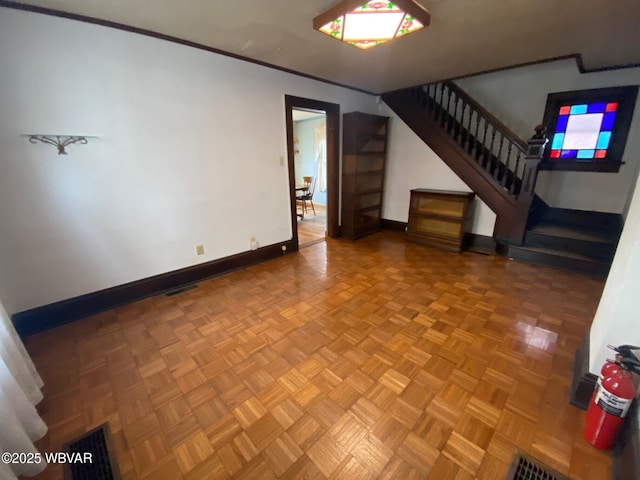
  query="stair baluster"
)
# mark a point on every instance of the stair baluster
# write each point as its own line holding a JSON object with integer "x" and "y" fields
{"x": 461, "y": 135}
{"x": 474, "y": 151}
{"x": 446, "y": 118}
{"x": 504, "y": 165}
{"x": 484, "y": 142}
{"x": 511, "y": 173}
{"x": 455, "y": 124}
{"x": 492, "y": 165}
{"x": 441, "y": 102}
{"x": 516, "y": 191}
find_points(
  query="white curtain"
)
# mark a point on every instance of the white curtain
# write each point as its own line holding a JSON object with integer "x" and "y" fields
{"x": 20, "y": 424}
{"x": 320, "y": 147}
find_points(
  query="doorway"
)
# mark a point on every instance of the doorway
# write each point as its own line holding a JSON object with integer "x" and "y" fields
{"x": 304, "y": 110}
{"x": 310, "y": 160}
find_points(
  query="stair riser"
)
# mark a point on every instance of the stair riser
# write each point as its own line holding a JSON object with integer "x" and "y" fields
{"x": 597, "y": 250}
{"x": 595, "y": 268}
{"x": 609, "y": 222}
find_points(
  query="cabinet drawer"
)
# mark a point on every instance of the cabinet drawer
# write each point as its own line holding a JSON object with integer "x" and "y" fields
{"x": 438, "y": 206}
{"x": 431, "y": 226}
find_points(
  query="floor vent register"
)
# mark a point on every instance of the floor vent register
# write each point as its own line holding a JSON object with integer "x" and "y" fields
{"x": 524, "y": 467}
{"x": 103, "y": 464}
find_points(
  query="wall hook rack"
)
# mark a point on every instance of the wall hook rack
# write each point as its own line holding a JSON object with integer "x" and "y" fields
{"x": 59, "y": 141}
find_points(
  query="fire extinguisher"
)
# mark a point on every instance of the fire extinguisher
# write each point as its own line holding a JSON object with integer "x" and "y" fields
{"x": 608, "y": 409}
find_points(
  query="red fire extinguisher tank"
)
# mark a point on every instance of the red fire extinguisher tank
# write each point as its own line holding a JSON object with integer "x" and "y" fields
{"x": 606, "y": 412}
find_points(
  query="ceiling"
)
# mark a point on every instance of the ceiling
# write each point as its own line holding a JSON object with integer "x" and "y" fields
{"x": 465, "y": 36}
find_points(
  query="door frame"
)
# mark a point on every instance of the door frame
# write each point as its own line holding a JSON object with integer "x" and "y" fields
{"x": 332, "y": 118}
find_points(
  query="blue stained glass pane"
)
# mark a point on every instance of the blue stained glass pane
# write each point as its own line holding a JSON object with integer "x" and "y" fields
{"x": 603, "y": 140}
{"x": 568, "y": 153}
{"x": 561, "y": 126}
{"x": 586, "y": 153}
{"x": 607, "y": 121}
{"x": 578, "y": 109}
{"x": 558, "y": 139}
{"x": 596, "y": 108}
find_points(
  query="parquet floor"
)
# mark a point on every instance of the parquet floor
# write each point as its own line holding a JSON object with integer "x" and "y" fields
{"x": 348, "y": 360}
{"x": 312, "y": 228}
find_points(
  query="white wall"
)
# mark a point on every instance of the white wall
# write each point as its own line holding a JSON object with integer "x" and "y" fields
{"x": 174, "y": 164}
{"x": 518, "y": 97}
{"x": 412, "y": 164}
{"x": 617, "y": 320}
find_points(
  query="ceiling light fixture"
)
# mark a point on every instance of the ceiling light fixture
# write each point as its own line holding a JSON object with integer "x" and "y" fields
{"x": 368, "y": 24}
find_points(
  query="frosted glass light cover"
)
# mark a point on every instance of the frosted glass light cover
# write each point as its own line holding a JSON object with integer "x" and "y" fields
{"x": 582, "y": 131}
{"x": 371, "y": 26}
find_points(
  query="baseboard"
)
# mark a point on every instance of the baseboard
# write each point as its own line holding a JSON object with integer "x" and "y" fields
{"x": 626, "y": 451}
{"x": 480, "y": 244}
{"x": 54, "y": 314}
{"x": 583, "y": 382}
{"x": 393, "y": 225}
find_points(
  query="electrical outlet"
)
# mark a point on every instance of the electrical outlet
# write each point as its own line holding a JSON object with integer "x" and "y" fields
{"x": 200, "y": 249}
{"x": 253, "y": 244}
{"x": 281, "y": 160}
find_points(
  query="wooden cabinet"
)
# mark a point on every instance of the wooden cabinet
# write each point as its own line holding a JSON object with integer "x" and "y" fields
{"x": 439, "y": 218}
{"x": 364, "y": 152}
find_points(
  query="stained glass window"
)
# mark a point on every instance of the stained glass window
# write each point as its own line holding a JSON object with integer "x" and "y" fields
{"x": 583, "y": 131}
{"x": 587, "y": 129}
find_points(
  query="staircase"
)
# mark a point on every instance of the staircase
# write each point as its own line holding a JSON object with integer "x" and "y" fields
{"x": 479, "y": 148}
{"x": 493, "y": 162}
{"x": 571, "y": 239}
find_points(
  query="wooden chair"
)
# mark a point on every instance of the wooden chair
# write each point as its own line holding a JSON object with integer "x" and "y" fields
{"x": 307, "y": 195}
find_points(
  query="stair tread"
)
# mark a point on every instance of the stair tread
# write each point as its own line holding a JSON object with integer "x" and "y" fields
{"x": 559, "y": 253}
{"x": 575, "y": 232}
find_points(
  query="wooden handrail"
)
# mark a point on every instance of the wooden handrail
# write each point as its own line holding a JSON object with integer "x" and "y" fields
{"x": 501, "y": 127}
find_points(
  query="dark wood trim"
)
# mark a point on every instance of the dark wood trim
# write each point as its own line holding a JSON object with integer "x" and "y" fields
{"x": 168, "y": 38}
{"x": 577, "y": 57}
{"x": 583, "y": 382}
{"x": 480, "y": 244}
{"x": 626, "y": 451}
{"x": 332, "y": 118}
{"x": 394, "y": 225}
{"x": 65, "y": 311}
{"x": 487, "y": 115}
{"x": 575, "y": 166}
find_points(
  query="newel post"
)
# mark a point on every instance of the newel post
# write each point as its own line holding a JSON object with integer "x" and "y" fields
{"x": 535, "y": 151}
